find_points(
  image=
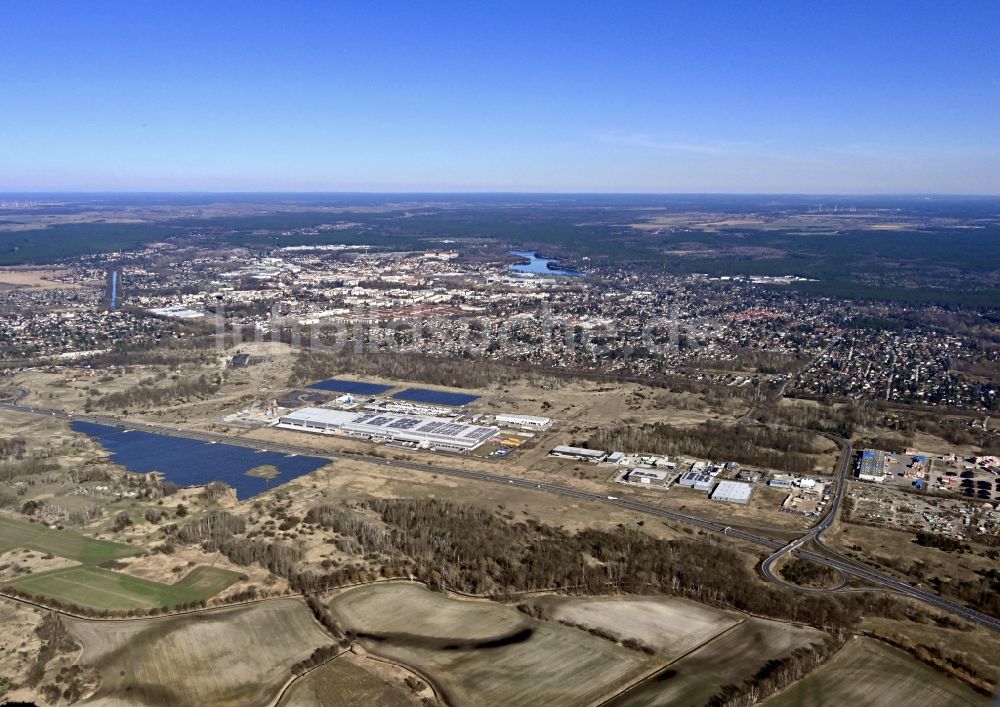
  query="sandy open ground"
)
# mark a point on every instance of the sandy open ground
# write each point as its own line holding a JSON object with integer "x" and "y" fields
{"x": 33, "y": 278}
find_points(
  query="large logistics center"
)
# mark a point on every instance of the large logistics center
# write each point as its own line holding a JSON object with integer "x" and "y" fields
{"x": 420, "y": 430}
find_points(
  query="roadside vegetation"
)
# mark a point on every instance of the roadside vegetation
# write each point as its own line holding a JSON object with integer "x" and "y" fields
{"x": 806, "y": 573}
{"x": 789, "y": 450}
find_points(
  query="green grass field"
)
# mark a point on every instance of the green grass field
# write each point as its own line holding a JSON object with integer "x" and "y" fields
{"x": 867, "y": 672}
{"x": 98, "y": 588}
{"x": 64, "y": 543}
{"x": 91, "y": 586}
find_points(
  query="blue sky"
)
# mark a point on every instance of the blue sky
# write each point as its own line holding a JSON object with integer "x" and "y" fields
{"x": 738, "y": 96}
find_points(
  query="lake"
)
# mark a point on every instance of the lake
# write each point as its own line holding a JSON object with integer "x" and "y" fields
{"x": 189, "y": 462}
{"x": 539, "y": 266}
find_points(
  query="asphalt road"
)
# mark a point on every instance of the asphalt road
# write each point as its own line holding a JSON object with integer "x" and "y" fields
{"x": 845, "y": 567}
{"x": 830, "y": 515}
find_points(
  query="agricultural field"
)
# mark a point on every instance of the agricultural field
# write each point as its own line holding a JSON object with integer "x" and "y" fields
{"x": 99, "y": 588}
{"x": 669, "y": 625}
{"x": 64, "y": 543}
{"x": 730, "y": 658}
{"x": 239, "y": 656}
{"x": 867, "y": 672}
{"x": 86, "y": 584}
{"x": 478, "y": 652}
{"x": 345, "y": 683}
{"x": 36, "y": 278}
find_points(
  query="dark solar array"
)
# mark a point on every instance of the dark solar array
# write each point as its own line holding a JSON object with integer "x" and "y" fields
{"x": 189, "y": 462}
{"x": 481, "y": 435}
{"x": 435, "y": 397}
{"x": 404, "y": 423}
{"x": 338, "y": 385}
{"x": 450, "y": 430}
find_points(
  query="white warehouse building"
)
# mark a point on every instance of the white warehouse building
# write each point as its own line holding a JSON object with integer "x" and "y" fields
{"x": 732, "y": 492}
{"x": 415, "y": 429}
{"x": 531, "y": 421}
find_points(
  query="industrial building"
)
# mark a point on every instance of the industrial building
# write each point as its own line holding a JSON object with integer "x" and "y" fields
{"x": 422, "y": 431}
{"x": 590, "y": 455}
{"x": 871, "y": 465}
{"x": 533, "y": 422}
{"x": 732, "y": 492}
{"x": 696, "y": 480}
{"x": 646, "y": 476}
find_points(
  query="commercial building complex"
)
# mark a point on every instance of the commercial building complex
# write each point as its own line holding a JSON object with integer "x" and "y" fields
{"x": 423, "y": 431}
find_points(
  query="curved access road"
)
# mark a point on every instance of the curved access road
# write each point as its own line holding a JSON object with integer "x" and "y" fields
{"x": 828, "y": 518}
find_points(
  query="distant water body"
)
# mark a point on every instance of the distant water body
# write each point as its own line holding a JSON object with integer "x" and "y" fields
{"x": 114, "y": 290}
{"x": 539, "y": 266}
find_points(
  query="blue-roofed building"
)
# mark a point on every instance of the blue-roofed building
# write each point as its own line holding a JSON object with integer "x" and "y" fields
{"x": 871, "y": 465}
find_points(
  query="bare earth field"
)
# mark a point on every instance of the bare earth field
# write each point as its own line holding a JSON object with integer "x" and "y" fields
{"x": 731, "y": 658}
{"x": 671, "y": 625}
{"x": 238, "y": 656}
{"x": 479, "y": 652}
{"x": 32, "y": 277}
{"x": 976, "y": 646}
{"x": 867, "y": 672}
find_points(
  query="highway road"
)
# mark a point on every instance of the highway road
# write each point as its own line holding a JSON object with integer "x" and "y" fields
{"x": 842, "y": 565}
{"x": 830, "y": 515}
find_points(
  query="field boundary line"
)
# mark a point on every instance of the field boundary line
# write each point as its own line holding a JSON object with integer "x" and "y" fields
{"x": 607, "y": 700}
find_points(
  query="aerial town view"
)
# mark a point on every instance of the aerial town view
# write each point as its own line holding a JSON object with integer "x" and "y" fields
{"x": 437, "y": 391}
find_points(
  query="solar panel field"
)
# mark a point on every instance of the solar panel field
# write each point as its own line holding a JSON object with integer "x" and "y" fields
{"x": 339, "y": 385}
{"x": 435, "y": 397}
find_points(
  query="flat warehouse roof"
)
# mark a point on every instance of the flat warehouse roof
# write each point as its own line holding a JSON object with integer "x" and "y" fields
{"x": 506, "y": 417}
{"x": 732, "y": 491}
{"x": 403, "y": 427}
{"x": 577, "y": 451}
